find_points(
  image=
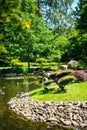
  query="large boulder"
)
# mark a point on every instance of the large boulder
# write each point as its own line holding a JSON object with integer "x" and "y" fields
{"x": 72, "y": 64}
{"x": 63, "y": 67}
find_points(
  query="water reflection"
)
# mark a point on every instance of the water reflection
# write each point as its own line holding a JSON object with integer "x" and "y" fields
{"x": 8, "y": 89}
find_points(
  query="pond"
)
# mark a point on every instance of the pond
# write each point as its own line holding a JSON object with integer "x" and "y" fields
{"x": 8, "y": 119}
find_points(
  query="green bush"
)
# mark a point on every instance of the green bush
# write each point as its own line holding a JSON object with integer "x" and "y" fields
{"x": 60, "y": 74}
{"x": 82, "y": 65}
{"x": 17, "y": 70}
{"x": 41, "y": 60}
{"x": 61, "y": 78}
{"x": 48, "y": 82}
{"x": 4, "y": 63}
{"x": 64, "y": 81}
{"x": 5, "y": 71}
{"x": 46, "y": 68}
{"x": 15, "y": 63}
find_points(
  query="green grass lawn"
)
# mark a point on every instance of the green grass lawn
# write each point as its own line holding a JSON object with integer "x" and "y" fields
{"x": 25, "y": 64}
{"x": 75, "y": 92}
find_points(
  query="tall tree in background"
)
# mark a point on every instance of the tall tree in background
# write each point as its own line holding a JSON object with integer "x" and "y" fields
{"x": 15, "y": 20}
{"x": 82, "y": 16}
{"x": 58, "y": 14}
{"x": 82, "y": 27}
{"x": 78, "y": 38}
{"x": 9, "y": 18}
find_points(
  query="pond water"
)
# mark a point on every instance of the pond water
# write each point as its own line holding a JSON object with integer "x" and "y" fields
{"x": 8, "y": 119}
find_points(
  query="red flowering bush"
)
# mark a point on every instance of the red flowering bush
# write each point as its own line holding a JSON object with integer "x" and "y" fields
{"x": 80, "y": 75}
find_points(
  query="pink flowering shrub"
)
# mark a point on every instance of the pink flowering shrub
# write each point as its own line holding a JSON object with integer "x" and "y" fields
{"x": 80, "y": 75}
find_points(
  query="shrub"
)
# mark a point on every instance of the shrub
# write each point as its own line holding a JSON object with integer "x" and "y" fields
{"x": 60, "y": 74}
{"x": 47, "y": 68}
{"x": 48, "y": 82}
{"x": 60, "y": 78}
{"x": 64, "y": 81}
{"x": 17, "y": 69}
{"x": 15, "y": 62}
{"x": 41, "y": 60}
{"x": 80, "y": 75}
{"x": 82, "y": 65}
{"x": 5, "y": 71}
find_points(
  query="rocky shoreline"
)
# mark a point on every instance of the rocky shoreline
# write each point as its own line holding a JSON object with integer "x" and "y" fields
{"x": 73, "y": 114}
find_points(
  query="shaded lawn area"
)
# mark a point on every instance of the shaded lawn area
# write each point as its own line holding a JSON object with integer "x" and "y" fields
{"x": 75, "y": 92}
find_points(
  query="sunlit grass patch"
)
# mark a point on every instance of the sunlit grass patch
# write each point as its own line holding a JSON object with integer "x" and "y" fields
{"x": 75, "y": 92}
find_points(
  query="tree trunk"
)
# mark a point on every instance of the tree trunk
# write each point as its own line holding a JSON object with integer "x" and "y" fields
{"x": 28, "y": 52}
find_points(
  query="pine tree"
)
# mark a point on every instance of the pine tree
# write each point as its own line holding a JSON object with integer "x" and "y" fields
{"x": 82, "y": 15}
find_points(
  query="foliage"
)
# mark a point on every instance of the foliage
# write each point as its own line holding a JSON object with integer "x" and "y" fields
{"x": 15, "y": 62}
{"x": 82, "y": 16}
{"x": 57, "y": 14}
{"x": 60, "y": 78}
{"x": 76, "y": 43}
{"x": 82, "y": 65}
{"x": 25, "y": 36}
{"x": 60, "y": 74}
{"x": 82, "y": 40}
{"x": 48, "y": 82}
{"x": 80, "y": 75}
{"x": 41, "y": 60}
{"x": 75, "y": 92}
{"x": 64, "y": 81}
{"x": 17, "y": 70}
{"x": 18, "y": 28}
{"x": 2, "y": 48}
{"x": 81, "y": 24}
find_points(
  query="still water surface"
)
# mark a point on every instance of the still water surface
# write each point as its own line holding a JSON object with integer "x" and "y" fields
{"x": 8, "y": 119}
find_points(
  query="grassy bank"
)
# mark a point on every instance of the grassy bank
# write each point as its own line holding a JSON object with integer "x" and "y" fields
{"x": 25, "y": 64}
{"x": 75, "y": 92}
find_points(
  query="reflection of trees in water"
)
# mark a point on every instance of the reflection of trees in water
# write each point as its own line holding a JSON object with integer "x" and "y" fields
{"x": 11, "y": 87}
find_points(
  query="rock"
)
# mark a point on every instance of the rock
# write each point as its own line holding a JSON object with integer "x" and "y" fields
{"x": 78, "y": 104}
{"x": 84, "y": 105}
{"x": 10, "y": 75}
{"x": 62, "y": 120}
{"x": 83, "y": 124}
{"x": 59, "y": 113}
{"x": 74, "y": 117}
{"x": 67, "y": 122}
{"x": 63, "y": 67}
{"x": 85, "y": 113}
{"x": 72, "y": 64}
{"x": 75, "y": 123}
{"x": 70, "y": 116}
{"x": 52, "y": 119}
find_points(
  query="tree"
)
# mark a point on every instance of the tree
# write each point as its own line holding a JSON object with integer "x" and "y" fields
{"x": 17, "y": 28}
{"x": 8, "y": 18}
{"x": 58, "y": 14}
{"x": 25, "y": 36}
{"x": 61, "y": 78}
{"x": 82, "y": 16}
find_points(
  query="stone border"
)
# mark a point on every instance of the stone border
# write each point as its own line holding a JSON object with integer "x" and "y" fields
{"x": 73, "y": 114}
